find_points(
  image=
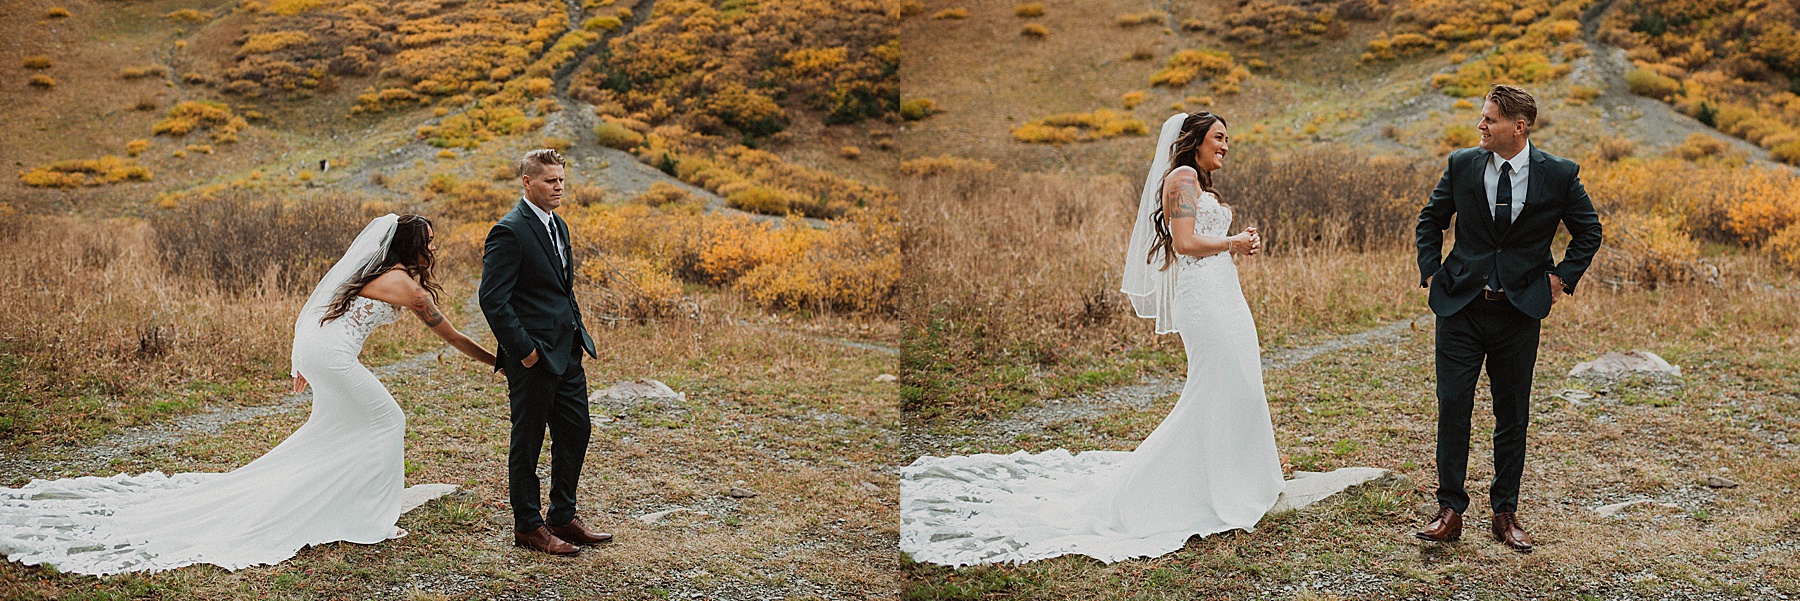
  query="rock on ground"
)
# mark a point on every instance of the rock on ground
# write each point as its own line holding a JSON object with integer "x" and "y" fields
{"x": 1618, "y": 364}
{"x": 636, "y": 389}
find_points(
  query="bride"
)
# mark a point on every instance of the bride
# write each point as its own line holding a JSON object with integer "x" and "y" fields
{"x": 1211, "y": 465}
{"x": 338, "y": 478}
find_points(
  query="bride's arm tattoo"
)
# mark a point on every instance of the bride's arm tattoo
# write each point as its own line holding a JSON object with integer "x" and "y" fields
{"x": 1182, "y": 191}
{"x": 427, "y": 312}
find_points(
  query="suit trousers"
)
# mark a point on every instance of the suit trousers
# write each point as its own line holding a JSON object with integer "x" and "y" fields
{"x": 1508, "y": 340}
{"x": 540, "y": 398}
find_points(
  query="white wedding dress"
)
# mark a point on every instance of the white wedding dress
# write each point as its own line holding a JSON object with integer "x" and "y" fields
{"x": 1211, "y": 465}
{"x": 338, "y": 478}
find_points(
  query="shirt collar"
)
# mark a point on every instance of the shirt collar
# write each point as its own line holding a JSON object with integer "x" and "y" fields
{"x": 1519, "y": 161}
{"x": 542, "y": 215}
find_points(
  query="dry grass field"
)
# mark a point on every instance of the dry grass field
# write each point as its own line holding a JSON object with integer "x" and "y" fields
{"x": 1044, "y": 322}
{"x": 1011, "y": 306}
{"x": 800, "y": 422}
{"x": 157, "y": 289}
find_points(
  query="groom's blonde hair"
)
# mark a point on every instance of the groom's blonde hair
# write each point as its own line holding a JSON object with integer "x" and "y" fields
{"x": 535, "y": 161}
{"x": 1514, "y": 103}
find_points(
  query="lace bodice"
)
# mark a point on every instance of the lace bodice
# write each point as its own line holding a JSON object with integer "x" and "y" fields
{"x": 364, "y": 316}
{"x": 1210, "y": 219}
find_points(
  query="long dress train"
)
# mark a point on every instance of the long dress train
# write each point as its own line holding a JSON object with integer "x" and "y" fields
{"x": 338, "y": 478}
{"x": 1210, "y": 466}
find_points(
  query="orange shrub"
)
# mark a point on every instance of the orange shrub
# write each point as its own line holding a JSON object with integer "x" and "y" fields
{"x": 136, "y": 147}
{"x": 615, "y": 135}
{"x": 1029, "y": 10}
{"x": 760, "y": 200}
{"x": 1650, "y": 249}
{"x": 1034, "y": 30}
{"x": 85, "y": 172}
{"x": 1785, "y": 245}
{"x": 189, "y": 15}
{"x": 1079, "y": 127}
{"x": 1699, "y": 145}
{"x": 194, "y": 115}
{"x": 57, "y": 12}
{"x": 951, "y": 13}
{"x": 1459, "y": 136}
{"x": 918, "y": 108}
{"x": 42, "y": 82}
{"x": 1187, "y": 65}
{"x": 850, "y": 266}
{"x": 807, "y": 191}
{"x": 39, "y": 61}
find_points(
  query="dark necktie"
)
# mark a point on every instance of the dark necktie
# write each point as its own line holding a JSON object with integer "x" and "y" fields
{"x": 1503, "y": 201}
{"x": 1502, "y": 218}
{"x": 556, "y": 243}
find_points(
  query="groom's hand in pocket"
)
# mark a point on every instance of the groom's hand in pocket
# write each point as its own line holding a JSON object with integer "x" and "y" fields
{"x": 530, "y": 359}
{"x": 1557, "y": 292}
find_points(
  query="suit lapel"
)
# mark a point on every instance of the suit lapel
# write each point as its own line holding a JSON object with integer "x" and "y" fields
{"x": 1478, "y": 174}
{"x": 1536, "y": 192}
{"x": 542, "y": 236}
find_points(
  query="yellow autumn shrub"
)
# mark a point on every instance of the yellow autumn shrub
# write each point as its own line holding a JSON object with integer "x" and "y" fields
{"x": 1079, "y": 127}
{"x": 85, "y": 172}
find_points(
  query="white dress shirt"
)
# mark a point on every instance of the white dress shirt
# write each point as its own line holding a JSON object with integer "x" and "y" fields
{"x": 1521, "y": 169}
{"x": 1490, "y": 178}
{"x": 545, "y": 218}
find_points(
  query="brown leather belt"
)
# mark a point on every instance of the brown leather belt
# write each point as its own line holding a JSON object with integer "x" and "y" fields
{"x": 1492, "y": 295}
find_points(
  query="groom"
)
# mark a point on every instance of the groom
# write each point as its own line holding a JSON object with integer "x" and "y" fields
{"x": 527, "y": 294}
{"x": 1493, "y": 291}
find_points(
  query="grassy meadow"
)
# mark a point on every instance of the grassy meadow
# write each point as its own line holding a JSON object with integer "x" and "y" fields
{"x": 1047, "y": 323}
{"x": 1025, "y": 176}
{"x": 186, "y": 170}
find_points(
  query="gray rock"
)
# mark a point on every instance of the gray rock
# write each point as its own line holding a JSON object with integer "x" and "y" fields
{"x": 1578, "y": 398}
{"x": 1619, "y": 364}
{"x": 414, "y": 496}
{"x": 740, "y": 493}
{"x": 651, "y": 518}
{"x": 1311, "y": 487}
{"x": 887, "y": 378}
{"x": 1720, "y": 482}
{"x": 1607, "y": 511}
{"x": 645, "y": 389}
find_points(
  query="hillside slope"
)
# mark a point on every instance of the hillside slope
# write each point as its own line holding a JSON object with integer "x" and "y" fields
{"x": 989, "y": 76}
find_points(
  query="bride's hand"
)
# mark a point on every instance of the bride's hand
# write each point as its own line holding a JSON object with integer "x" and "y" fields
{"x": 299, "y": 384}
{"x": 1255, "y": 239}
{"x": 1244, "y": 243}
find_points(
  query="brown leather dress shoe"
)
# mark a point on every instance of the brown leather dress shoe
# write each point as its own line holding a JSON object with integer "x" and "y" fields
{"x": 1447, "y": 528}
{"x": 576, "y": 533}
{"x": 542, "y": 540}
{"x": 1507, "y": 530}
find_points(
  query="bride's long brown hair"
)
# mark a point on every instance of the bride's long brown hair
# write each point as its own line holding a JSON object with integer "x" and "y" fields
{"x": 410, "y": 249}
{"x": 1184, "y": 151}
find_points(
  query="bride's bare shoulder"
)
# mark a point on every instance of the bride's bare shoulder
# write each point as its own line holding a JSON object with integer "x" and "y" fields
{"x": 1181, "y": 177}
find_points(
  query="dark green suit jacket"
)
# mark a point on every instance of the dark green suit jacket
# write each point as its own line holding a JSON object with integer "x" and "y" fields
{"x": 1553, "y": 195}
{"x": 528, "y": 296}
